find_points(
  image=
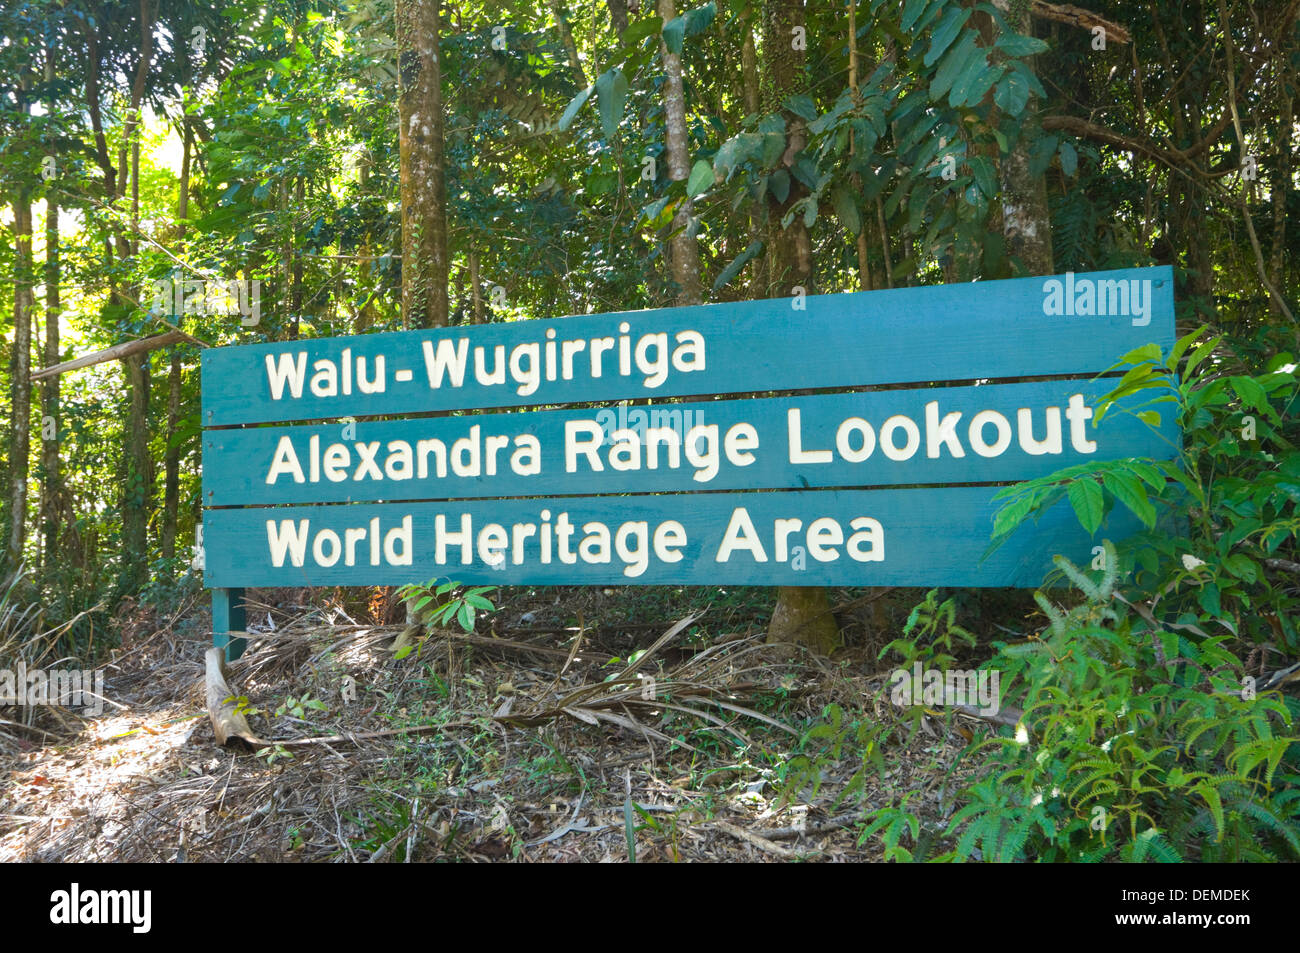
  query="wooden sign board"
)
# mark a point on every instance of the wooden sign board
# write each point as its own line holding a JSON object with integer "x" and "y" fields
{"x": 363, "y": 460}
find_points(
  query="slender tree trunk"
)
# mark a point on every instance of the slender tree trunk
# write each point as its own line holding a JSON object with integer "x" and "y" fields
{"x": 475, "y": 288}
{"x": 802, "y": 614}
{"x": 172, "y": 454}
{"x": 138, "y": 486}
{"x": 570, "y": 47}
{"x": 366, "y": 316}
{"x": 758, "y": 285}
{"x": 295, "y": 276}
{"x": 790, "y": 248}
{"x": 1281, "y": 186}
{"x": 172, "y": 458}
{"x": 684, "y": 254}
{"x": 51, "y": 476}
{"x": 20, "y": 383}
{"x": 1026, "y": 223}
{"x": 864, "y": 267}
{"x": 423, "y": 173}
{"x": 618, "y": 15}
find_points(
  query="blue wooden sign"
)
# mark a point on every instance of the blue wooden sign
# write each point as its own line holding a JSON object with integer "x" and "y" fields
{"x": 1017, "y": 328}
{"x": 910, "y": 537}
{"x": 991, "y": 433}
{"x": 366, "y": 460}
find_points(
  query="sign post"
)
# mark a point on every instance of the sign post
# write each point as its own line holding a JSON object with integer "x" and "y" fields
{"x": 324, "y": 464}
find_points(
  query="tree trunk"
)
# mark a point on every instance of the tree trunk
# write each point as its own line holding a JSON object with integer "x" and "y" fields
{"x": 1026, "y": 223}
{"x": 864, "y": 267}
{"x": 51, "y": 477}
{"x": 423, "y": 172}
{"x": 790, "y": 246}
{"x": 172, "y": 459}
{"x": 802, "y": 614}
{"x": 138, "y": 483}
{"x": 138, "y": 489}
{"x": 757, "y": 217}
{"x": 172, "y": 455}
{"x": 684, "y": 254}
{"x": 20, "y": 382}
{"x": 618, "y": 15}
{"x": 1281, "y": 185}
{"x": 570, "y": 47}
{"x": 475, "y": 288}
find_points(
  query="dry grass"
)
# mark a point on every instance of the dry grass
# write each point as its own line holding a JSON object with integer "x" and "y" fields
{"x": 522, "y": 742}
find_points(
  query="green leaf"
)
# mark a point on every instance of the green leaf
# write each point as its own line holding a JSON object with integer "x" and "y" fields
{"x": 1069, "y": 159}
{"x": 946, "y": 32}
{"x": 699, "y": 19}
{"x": 985, "y": 178}
{"x": 1183, "y": 344}
{"x": 1128, "y": 490}
{"x": 1251, "y": 393}
{"x": 1242, "y": 566}
{"x": 736, "y": 151}
{"x": 1147, "y": 352}
{"x": 1012, "y": 94}
{"x": 847, "y": 209}
{"x": 1013, "y": 514}
{"x": 954, "y": 64}
{"x": 779, "y": 183}
{"x": 911, "y": 13}
{"x": 974, "y": 85}
{"x": 732, "y": 270}
{"x": 674, "y": 33}
{"x": 1086, "y": 498}
{"x": 611, "y": 94}
{"x": 701, "y": 178}
{"x": 1017, "y": 44}
{"x": 571, "y": 111}
{"x": 802, "y": 106}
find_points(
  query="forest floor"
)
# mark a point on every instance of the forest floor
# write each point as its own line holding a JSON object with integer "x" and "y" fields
{"x": 509, "y": 744}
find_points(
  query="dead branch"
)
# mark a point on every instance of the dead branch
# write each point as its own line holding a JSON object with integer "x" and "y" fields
{"x": 116, "y": 352}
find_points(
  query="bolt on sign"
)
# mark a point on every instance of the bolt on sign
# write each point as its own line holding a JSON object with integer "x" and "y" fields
{"x": 858, "y": 441}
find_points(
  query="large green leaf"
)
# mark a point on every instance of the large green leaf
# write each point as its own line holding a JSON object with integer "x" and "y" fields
{"x": 802, "y": 106}
{"x": 1086, "y": 497}
{"x": 736, "y": 151}
{"x": 611, "y": 94}
{"x": 698, "y": 20}
{"x": 674, "y": 33}
{"x": 567, "y": 117}
{"x": 912, "y": 11}
{"x": 1016, "y": 44}
{"x": 779, "y": 183}
{"x": 1128, "y": 489}
{"x": 955, "y": 63}
{"x": 1069, "y": 159}
{"x": 946, "y": 32}
{"x": 700, "y": 179}
{"x": 1012, "y": 94}
{"x": 847, "y": 209}
{"x": 731, "y": 271}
